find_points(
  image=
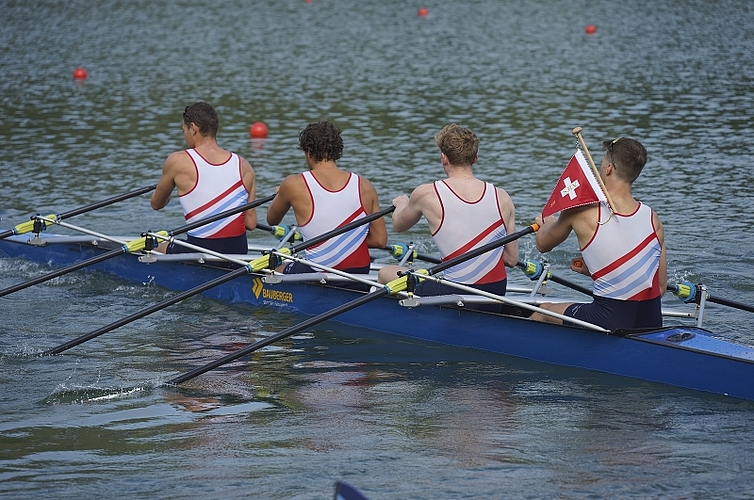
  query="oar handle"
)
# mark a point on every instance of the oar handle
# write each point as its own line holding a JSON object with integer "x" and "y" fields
{"x": 559, "y": 280}
{"x": 203, "y": 222}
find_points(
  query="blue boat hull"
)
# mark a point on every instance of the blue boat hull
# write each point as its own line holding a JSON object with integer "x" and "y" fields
{"x": 681, "y": 356}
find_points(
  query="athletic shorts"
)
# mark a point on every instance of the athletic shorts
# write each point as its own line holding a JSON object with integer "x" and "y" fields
{"x": 615, "y": 314}
{"x": 235, "y": 245}
{"x": 299, "y": 268}
{"x": 430, "y": 288}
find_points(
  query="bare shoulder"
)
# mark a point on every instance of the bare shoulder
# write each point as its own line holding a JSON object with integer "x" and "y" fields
{"x": 178, "y": 159}
{"x": 423, "y": 191}
{"x": 503, "y": 196}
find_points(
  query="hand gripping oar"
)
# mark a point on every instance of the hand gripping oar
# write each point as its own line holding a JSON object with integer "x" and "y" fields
{"x": 27, "y": 227}
{"x": 395, "y": 286}
{"x": 533, "y": 270}
{"x": 399, "y": 250}
{"x": 131, "y": 247}
{"x": 251, "y": 267}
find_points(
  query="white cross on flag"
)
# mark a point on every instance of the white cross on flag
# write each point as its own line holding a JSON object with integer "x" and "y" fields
{"x": 577, "y": 186}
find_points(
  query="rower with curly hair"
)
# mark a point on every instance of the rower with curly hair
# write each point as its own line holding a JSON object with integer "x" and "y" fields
{"x": 326, "y": 197}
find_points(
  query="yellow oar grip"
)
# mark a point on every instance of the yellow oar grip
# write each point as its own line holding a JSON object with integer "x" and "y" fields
{"x": 400, "y": 284}
{"x": 263, "y": 262}
{"x": 27, "y": 227}
{"x": 139, "y": 244}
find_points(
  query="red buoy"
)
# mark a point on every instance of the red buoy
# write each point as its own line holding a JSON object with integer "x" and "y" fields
{"x": 79, "y": 73}
{"x": 423, "y": 12}
{"x": 307, "y": 1}
{"x": 590, "y": 29}
{"x": 258, "y": 130}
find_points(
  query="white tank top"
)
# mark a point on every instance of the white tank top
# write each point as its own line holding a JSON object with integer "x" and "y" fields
{"x": 468, "y": 225}
{"x": 624, "y": 256}
{"x": 330, "y": 210}
{"x": 218, "y": 188}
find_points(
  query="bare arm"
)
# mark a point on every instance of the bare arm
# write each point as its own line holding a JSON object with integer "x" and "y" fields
{"x": 409, "y": 210}
{"x": 377, "y": 236}
{"x": 281, "y": 203}
{"x": 248, "y": 176}
{"x": 663, "y": 270}
{"x": 510, "y": 251}
{"x": 166, "y": 184}
{"x": 552, "y": 231}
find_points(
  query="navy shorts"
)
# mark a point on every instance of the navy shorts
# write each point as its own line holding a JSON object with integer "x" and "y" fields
{"x": 299, "y": 268}
{"x": 615, "y": 314}
{"x": 429, "y": 288}
{"x": 235, "y": 245}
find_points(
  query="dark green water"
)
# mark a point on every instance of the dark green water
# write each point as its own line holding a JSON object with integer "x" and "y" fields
{"x": 396, "y": 419}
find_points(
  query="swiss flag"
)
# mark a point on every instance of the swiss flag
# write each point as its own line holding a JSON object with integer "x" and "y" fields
{"x": 577, "y": 186}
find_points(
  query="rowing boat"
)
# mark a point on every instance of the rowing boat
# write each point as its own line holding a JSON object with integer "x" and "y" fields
{"x": 683, "y": 356}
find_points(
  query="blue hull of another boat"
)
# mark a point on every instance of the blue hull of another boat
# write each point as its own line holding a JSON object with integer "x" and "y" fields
{"x": 681, "y": 356}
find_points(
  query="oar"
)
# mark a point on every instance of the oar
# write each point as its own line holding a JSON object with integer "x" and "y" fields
{"x": 398, "y": 250}
{"x": 279, "y": 232}
{"x": 393, "y": 287}
{"x": 688, "y": 292}
{"x": 131, "y": 247}
{"x": 685, "y": 291}
{"x": 29, "y": 226}
{"x": 251, "y": 267}
{"x": 532, "y": 269}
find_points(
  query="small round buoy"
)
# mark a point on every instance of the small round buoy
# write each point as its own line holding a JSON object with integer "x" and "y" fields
{"x": 258, "y": 130}
{"x": 79, "y": 73}
{"x": 307, "y": 1}
{"x": 590, "y": 29}
{"x": 423, "y": 12}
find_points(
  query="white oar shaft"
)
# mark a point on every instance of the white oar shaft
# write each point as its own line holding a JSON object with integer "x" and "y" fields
{"x": 199, "y": 249}
{"x": 501, "y": 298}
{"x": 82, "y": 230}
{"x": 332, "y": 270}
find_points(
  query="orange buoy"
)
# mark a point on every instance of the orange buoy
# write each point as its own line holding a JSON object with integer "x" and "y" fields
{"x": 258, "y": 130}
{"x": 590, "y": 29}
{"x": 423, "y": 12}
{"x": 79, "y": 73}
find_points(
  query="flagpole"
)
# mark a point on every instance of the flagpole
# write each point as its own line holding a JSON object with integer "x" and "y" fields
{"x": 577, "y": 132}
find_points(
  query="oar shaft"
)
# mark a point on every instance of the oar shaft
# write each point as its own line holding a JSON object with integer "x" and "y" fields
{"x": 61, "y": 272}
{"x": 203, "y": 222}
{"x": 149, "y": 310}
{"x": 109, "y": 201}
{"x": 562, "y": 281}
{"x": 483, "y": 249}
{"x": 421, "y": 256}
{"x": 342, "y": 229}
{"x": 88, "y": 208}
{"x": 730, "y": 303}
{"x": 279, "y": 336}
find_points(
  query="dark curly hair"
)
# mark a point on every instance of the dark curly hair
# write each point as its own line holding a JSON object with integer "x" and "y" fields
{"x": 321, "y": 141}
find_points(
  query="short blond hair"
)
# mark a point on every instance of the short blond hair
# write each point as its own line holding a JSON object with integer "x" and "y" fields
{"x": 458, "y": 143}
